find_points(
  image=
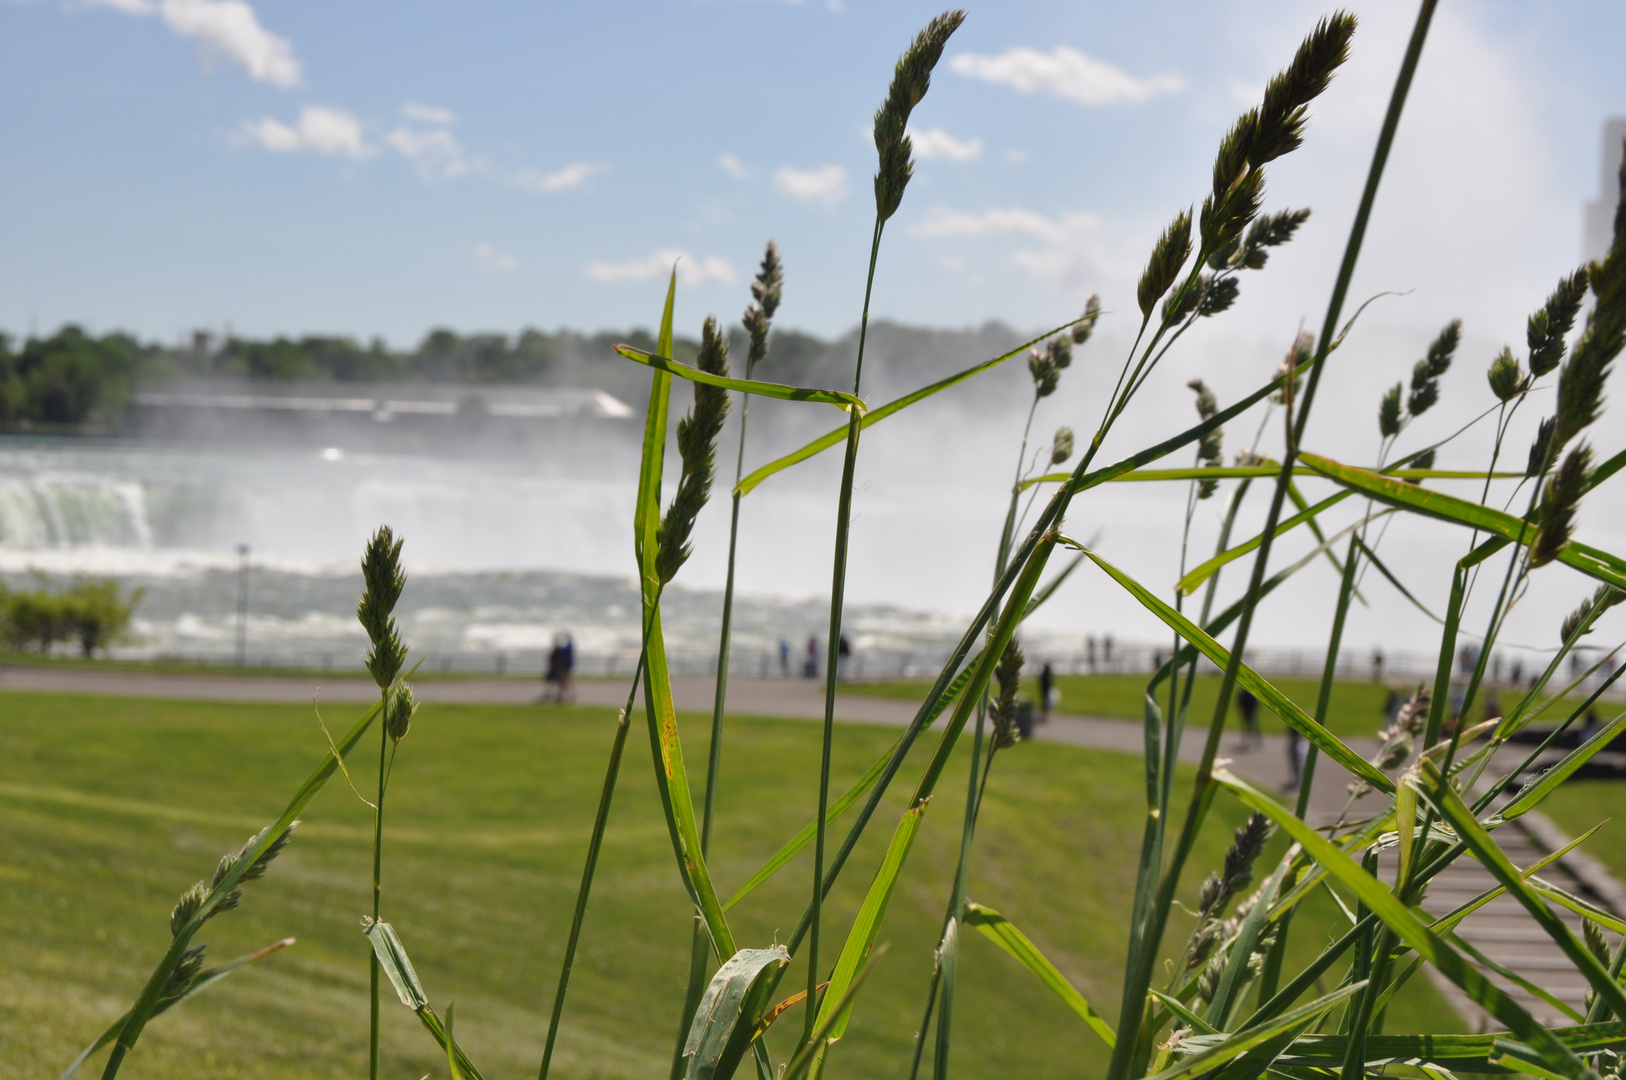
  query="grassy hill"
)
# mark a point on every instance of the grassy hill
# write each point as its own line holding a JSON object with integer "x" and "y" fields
{"x": 109, "y": 808}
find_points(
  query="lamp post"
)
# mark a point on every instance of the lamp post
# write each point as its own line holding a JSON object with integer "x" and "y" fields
{"x": 242, "y": 604}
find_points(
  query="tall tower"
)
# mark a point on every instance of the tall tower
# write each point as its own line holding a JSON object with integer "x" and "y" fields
{"x": 1600, "y": 213}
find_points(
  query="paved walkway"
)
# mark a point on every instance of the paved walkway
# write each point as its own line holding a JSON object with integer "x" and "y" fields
{"x": 1501, "y": 930}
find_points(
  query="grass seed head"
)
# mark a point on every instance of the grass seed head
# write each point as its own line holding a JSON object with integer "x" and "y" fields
{"x": 1086, "y": 326}
{"x": 186, "y": 907}
{"x": 269, "y": 855}
{"x": 766, "y": 290}
{"x": 383, "y": 579}
{"x": 1047, "y": 365}
{"x": 1178, "y": 305}
{"x": 399, "y": 711}
{"x": 1237, "y": 871}
{"x": 911, "y": 78}
{"x": 1506, "y": 380}
{"x": 697, "y": 446}
{"x": 1268, "y": 231}
{"x": 1302, "y": 351}
{"x": 1596, "y": 943}
{"x": 1168, "y": 256}
{"x": 1208, "y": 982}
{"x": 1279, "y": 128}
{"x": 1061, "y": 447}
{"x": 180, "y": 980}
{"x": 1413, "y": 714}
{"x": 1425, "y": 460}
{"x": 1539, "y": 447}
{"x": 1218, "y": 295}
{"x": 1389, "y": 412}
{"x": 1581, "y": 381}
{"x": 1425, "y": 375}
{"x": 1548, "y": 327}
{"x": 1008, "y": 674}
{"x": 1555, "y": 517}
{"x": 1606, "y": 597}
{"x": 1207, "y": 404}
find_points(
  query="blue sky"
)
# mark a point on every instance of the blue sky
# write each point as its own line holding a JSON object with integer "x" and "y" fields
{"x": 292, "y": 166}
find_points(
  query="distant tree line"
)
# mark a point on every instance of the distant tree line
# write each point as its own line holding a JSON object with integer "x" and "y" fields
{"x": 91, "y": 613}
{"x": 73, "y": 378}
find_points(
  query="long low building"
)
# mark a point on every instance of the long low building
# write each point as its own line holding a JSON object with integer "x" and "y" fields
{"x": 383, "y": 413}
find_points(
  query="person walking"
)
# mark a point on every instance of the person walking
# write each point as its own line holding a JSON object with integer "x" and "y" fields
{"x": 1048, "y": 695}
{"x": 811, "y": 668}
{"x": 558, "y": 686}
{"x": 1248, "y": 706}
{"x": 844, "y": 655}
{"x": 784, "y": 658}
{"x": 1296, "y": 751}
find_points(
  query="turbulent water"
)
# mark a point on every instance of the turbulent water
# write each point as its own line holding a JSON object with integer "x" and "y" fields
{"x": 502, "y": 557}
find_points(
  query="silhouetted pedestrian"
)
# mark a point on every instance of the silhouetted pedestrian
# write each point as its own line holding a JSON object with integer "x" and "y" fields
{"x": 1295, "y": 758}
{"x": 811, "y": 669}
{"x": 1248, "y": 706}
{"x": 561, "y": 662}
{"x": 844, "y": 654}
{"x": 784, "y": 658}
{"x": 1048, "y": 694}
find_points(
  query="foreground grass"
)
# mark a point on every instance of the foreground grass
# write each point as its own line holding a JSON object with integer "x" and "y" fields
{"x": 1355, "y": 711}
{"x": 110, "y": 807}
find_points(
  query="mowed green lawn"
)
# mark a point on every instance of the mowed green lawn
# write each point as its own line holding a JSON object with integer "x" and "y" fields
{"x": 1355, "y": 710}
{"x": 109, "y": 808}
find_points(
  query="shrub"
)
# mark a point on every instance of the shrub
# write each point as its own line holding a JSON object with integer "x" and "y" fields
{"x": 94, "y": 613}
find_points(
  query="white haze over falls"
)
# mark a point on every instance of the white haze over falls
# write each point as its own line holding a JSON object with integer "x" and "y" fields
{"x": 502, "y": 553}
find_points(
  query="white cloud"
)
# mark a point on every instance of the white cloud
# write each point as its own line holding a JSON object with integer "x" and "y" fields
{"x": 129, "y": 7}
{"x": 225, "y": 28}
{"x": 436, "y": 153}
{"x": 320, "y": 130}
{"x": 230, "y": 28}
{"x": 935, "y": 144}
{"x": 734, "y": 167}
{"x": 690, "y": 271}
{"x": 1073, "y": 253}
{"x": 489, "y": 258}
{"x": 566, "y": 179}
{"x": 428, "y": 114}
{"x": 1064, "y": 72}
{"x": 826, "y": 184}
{"x": 1006, "y": 221}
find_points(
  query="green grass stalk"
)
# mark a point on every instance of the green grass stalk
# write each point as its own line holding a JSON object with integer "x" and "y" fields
{"x": 1140, "y": 975}
{"x": 378, "y": 867}
{"x": 838, "y": 590}
{"x": 595, "y": 844}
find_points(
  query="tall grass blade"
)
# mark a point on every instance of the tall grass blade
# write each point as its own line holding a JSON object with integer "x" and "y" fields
{"x": 1273, "y": 698}
{"x": 1212, "y": 1051}
{"x": 645, "y": 526}
{"x": 660, "y": 362}
{"x": 1002, "y": 932}
{"x": 1528, "y": 799}
{"x": 1467, "y": 1053}
{"x": 725, "y": 1023}
{"x": 811, "y": 1053}
{"x": 833, "y": 1013}
{"x": 397, "y": 967}
{"x": 1588, "y": 560}
{"x": 805, "y": 836}
{"x": 151, "y": 994}
{"x": 205, "y": 979}
{"x": 874, "y": 416}
{"x": 1400, "y": 919}
{"x": 672, "y": 780}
